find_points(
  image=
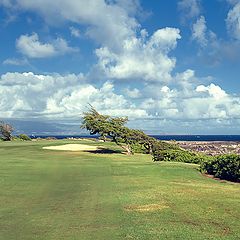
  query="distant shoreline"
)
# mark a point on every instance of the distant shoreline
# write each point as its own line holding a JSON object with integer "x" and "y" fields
{"x": 187, "y": 138}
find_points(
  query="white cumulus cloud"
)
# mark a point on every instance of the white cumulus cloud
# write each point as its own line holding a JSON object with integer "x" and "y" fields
{"x": 108, "y": 22}
{"x": 199, "y": 31}
{"x": 30, "y": 46}
{"x": 125, "y": 51}
{"x": 75, "y": 32}
{"x": 143, "y": 58}
{"x": 15, "y": 61}
{"x": 133, "y": 93}
{"x": 213, "y": 91}
{"x": 29, "y": 95}
{"x": 189, "y": 8}
{"x": 233, "y": 21}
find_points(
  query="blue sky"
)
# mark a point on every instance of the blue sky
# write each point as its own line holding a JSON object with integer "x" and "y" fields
{"x": 171, "y": 66}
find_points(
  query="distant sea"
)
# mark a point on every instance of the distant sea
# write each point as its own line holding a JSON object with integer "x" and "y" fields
{"x": 163, "y": 137}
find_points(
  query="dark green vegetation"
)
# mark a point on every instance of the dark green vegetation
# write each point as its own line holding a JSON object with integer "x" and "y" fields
{"x": 179, "y": 155}
{"x": 24, "y": 137}
{"x": 224, "y": 167}
{"x": 80, "y": 195}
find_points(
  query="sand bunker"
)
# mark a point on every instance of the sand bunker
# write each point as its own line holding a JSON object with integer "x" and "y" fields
{"x": 72, "y": 147}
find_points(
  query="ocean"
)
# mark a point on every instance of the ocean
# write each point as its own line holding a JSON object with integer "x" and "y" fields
{"x": 232, "y": 138}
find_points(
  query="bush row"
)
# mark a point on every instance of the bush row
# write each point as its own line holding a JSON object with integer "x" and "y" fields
{"x": 21, "y": 137}
{"x": 179, "y": 155}
{"x": 224, "y": 167}
{"x": 24, "y": 137}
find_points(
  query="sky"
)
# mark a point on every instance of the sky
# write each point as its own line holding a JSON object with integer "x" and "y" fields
{"x": 172, "y": 67}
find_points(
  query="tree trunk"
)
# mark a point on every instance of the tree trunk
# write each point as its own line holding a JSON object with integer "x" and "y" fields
{"x": 128, "y": 149}
{"x": 125, "y": 147}
{"x": 148, "y": 147}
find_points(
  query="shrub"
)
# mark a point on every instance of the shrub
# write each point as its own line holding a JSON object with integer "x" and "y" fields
{"x": 223, "y": 166}
{"x": 24, "y": 137}
{"x": 138, "y": 148}
{"x": 15, "y": 138}
{"x": 178, "y": 155}
{"x": 161, "y": 145}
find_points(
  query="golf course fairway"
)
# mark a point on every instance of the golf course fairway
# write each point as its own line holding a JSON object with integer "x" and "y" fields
{"x": 47, "y": 194}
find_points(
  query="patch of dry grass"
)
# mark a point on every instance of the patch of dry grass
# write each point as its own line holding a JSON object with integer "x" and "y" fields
{"x": 145, "y": 208}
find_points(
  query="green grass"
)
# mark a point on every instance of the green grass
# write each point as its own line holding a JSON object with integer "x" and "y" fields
{"x": 78, "y": 195}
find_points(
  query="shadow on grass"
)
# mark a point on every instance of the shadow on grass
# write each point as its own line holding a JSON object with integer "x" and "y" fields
{"x": 104, "y": 151}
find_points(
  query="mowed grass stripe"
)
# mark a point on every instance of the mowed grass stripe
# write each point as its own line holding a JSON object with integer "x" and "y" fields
{"x": 51, "y": 194}
{"x": 63, "y": 195}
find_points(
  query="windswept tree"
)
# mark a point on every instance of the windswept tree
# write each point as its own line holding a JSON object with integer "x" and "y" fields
{"x": 115, "y": 129}
{"x": 146, "y": 141}
{"x": 107, "y": 127}
{"x": 6, "y": 131}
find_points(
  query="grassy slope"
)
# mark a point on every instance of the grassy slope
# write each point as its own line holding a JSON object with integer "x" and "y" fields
{"x": 63, "y": 195}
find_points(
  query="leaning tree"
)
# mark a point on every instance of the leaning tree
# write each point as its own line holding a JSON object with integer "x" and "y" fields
{"x": 6, "y": 131}
{"x": 115, "y": 129}
{"x": 108, "y": 127}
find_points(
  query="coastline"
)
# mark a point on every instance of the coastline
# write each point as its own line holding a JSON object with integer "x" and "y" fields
{"x": 211, "y": 147}
{"x": 191, "y": 138}
{"x": 207, "y": 147}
